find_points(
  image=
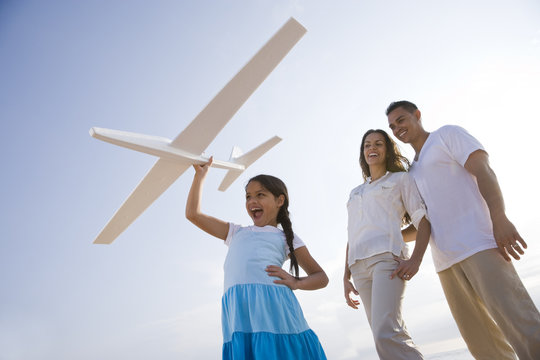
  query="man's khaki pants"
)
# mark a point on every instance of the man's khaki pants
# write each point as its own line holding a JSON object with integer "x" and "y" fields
{"x": 492, "y": 308}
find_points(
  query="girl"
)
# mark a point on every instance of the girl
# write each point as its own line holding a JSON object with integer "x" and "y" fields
{"x": 261, "y": 318}
{"x": 377, "y": 210}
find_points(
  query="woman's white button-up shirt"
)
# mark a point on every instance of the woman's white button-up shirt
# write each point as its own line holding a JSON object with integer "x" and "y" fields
{"x": 375, "y": 212}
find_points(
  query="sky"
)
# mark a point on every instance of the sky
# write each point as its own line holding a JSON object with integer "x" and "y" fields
{"x": 150, "y": 67}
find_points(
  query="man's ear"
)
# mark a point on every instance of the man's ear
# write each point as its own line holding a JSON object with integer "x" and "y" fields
{"x": 417, "y": 114}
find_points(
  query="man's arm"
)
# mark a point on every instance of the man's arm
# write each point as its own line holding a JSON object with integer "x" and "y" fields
{"x": 504, "y": 231}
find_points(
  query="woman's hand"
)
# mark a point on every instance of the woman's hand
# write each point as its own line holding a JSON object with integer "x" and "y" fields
{"x": 286, "y": 279}
{"x": 406, "y": 269}
{"x": 349, "y": 288}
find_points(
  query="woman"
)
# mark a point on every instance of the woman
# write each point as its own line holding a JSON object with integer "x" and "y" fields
{"x": 377, "y": 257}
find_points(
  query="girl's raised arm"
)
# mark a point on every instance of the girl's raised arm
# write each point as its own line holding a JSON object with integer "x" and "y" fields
{"x": 210, "y": 224}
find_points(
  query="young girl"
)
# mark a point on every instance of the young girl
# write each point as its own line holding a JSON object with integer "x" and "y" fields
{"x": 376, "y": 252}
{"x": 261, "y": 318}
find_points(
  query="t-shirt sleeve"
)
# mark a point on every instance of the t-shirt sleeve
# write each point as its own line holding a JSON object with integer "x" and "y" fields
{"x": 297, "y": 243}
{"x": 414, "y": 204}
{"x": 233, "y": 228}
{"x": 460, "y": 143}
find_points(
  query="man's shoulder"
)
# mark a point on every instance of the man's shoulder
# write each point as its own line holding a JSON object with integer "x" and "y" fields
{"x": 450, "y": 129}
{"x": 449, "y": 134}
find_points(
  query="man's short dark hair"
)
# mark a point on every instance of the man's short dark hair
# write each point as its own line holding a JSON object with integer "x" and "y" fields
{"x": 406, "y": 105}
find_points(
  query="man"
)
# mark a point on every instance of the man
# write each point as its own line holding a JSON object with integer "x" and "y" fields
{"x": 472, "y": 240}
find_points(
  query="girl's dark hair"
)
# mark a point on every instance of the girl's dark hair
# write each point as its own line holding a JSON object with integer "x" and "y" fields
{"x": 277, "y": 188}
{"x": 395, "y": 162}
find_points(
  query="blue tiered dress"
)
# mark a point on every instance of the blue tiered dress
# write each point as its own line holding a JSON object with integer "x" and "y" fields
{"x": 260, "y": 319}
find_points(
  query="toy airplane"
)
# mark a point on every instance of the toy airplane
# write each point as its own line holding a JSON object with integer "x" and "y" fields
{"x": 176, "y": 156}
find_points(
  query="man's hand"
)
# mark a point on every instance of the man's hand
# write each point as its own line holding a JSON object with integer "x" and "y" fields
{"x": 507, "y": 238}
{"x": 504, "y": 232}
{"x": 406, "y": 269}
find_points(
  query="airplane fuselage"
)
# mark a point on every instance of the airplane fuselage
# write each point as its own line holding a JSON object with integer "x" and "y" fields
{"x": 157, "y": 146}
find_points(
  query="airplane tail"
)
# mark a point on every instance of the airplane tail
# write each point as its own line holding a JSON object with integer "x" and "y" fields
{"x": 246, "y": 159}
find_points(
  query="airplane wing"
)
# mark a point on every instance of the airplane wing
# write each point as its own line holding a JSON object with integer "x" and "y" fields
{"x": 204, "y": 128}
{"x": 159, "y": 178}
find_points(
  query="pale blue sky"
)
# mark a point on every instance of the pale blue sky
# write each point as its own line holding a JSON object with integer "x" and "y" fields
{"x": 150, "y": 67}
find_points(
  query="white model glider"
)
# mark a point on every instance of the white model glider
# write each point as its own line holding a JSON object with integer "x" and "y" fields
{"x": 186, "y": 149}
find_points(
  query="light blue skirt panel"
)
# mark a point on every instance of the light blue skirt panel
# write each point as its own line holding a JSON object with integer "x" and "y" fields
{"x": 266, "y": 322}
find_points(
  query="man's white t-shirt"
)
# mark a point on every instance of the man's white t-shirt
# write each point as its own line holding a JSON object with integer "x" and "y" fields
{"x": 459, "y": 216}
